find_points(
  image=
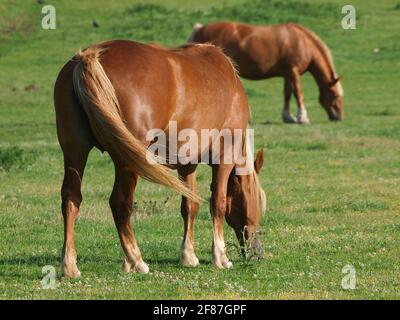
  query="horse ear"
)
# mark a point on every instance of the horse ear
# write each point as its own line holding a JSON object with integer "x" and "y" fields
{"x": 197, "y": 26}
{"x": 258, "y": 163}
{"x": 336, "y": 80}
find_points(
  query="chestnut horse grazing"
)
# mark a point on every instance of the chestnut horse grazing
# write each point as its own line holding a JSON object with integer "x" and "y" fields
{"x": 285, "y": 50}
{"x": 111, "y": 94}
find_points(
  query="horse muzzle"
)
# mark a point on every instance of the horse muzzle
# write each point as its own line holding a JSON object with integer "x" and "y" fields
{"x": 335, "y": 116}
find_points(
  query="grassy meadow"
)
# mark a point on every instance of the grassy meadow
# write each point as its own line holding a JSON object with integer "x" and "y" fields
{"x": 333, "y": 188}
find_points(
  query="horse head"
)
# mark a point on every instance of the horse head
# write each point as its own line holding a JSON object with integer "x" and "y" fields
{"x": 246, "y": 201}
{"x": 331, "y": 98}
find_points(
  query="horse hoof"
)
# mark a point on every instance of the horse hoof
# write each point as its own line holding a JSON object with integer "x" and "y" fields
{"x": 191, "y": 261}
{"x": 289, "y": 119}
{"x": 303, "y": 121}
{"x": 223, "y": 265}
{"x": 218, "y": 265}
{"x": 141, "y": 267}
{"x": 126, "y": 266}
{"x": 70, "y": 272}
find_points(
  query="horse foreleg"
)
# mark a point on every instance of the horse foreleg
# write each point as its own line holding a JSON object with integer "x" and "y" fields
{"x": 74, "y": 164}
{"x": 298, "y": 93}
{"x": 287, "y": 94}
{"x": 121, "y": 202}
{"x": 218, "y": 210}
{"x": 189, "y": 210}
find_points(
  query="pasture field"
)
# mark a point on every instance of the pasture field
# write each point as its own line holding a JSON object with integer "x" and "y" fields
{"x": 333, "y": 188}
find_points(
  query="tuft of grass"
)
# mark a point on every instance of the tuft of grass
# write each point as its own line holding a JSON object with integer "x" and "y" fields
{"x": 16, "y": 157}
{"x": 251, "y": 250}
{"x": 383, "y": 113}
{"x": 149, "y": 208}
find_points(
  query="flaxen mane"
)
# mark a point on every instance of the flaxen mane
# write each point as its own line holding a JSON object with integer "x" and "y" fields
{"x": 326, "y": 52}
{"x": 323, "y": 48}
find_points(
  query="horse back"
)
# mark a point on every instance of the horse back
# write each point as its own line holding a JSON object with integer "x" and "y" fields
{"x": 196, "y": 86}
{"x": 261, "y": 51}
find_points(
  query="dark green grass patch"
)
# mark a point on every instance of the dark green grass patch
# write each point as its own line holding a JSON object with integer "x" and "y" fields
{"x": 151, "y": 22}
{"x": 16, "y": 157}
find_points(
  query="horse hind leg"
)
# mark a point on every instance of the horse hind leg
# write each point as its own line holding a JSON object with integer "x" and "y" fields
{"x": 76, "y": 141}
{"x": 74, "y": 164}
{"x": 189, "y": 210}
{"x": 121, "y": 202}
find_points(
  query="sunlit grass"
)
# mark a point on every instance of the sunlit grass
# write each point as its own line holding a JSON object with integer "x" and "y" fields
{"x": 332, "y": 188}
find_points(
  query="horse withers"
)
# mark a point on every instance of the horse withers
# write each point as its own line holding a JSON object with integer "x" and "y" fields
{"x": 286, "y": 50}
{"x": 111, "y": 94}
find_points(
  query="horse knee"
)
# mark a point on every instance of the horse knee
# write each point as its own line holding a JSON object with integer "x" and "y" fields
{"x": 72, "y": 195}
{"x": 189, "y": 208}
{"x": 218, "y": 206}
{"x": 114, "y": 203}
{"x": 70, "y": 201}
{"x": 71, "y": 186}
{"x": 194, "y": 208}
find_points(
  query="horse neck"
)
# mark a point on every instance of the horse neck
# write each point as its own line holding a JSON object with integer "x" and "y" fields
{"x": 322, "y": 70}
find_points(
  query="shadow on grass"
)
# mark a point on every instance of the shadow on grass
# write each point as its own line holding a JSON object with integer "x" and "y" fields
{"x": 25, "y": 267}
{"x": 173, "y": 262}
{"x": 281, "y": 123}
{"x": 16, "y": 267}
{"x": 34, "y": 260}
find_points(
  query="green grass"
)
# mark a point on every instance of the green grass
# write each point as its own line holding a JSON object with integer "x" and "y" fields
{"x": 333, "y": 188}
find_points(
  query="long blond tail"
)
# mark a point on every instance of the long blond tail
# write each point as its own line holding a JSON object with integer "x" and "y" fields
{"x": 98, "y": 98}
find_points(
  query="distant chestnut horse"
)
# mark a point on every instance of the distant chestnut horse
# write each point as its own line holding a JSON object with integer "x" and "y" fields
{"x": 285, "y": 50}
{"x": 109, "y": 95}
